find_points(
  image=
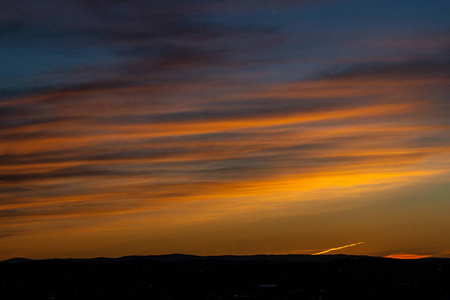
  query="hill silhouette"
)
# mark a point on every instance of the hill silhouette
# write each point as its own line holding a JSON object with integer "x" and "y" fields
{"x": 179, "y": 276}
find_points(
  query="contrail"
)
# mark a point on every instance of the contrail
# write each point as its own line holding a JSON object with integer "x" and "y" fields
{"x": 338, "y": 248}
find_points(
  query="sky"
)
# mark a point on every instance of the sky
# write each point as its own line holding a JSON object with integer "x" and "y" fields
{"x": 147, "y": 127}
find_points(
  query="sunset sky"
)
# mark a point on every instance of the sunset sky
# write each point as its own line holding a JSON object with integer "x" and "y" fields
{"x": 144, "y": 127}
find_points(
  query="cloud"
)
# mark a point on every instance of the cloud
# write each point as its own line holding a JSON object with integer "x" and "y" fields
{"x": 6, "y": 233}
{"x": 407, "y": 256}
{"x": 338, "y": 248}
{"x": 208, "y": 140}
{"x": 422, "y": 68}
{"x": 125, "y": 43}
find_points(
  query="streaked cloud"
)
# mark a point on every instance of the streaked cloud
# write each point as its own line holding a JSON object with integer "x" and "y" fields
{"x": 338, "y": 248}
{"x": 272, "y": 140}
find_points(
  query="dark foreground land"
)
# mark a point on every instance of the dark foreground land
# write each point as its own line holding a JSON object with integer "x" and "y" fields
{"x": 226, "y": 277}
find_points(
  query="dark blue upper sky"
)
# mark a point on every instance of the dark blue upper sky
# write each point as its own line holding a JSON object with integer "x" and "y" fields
{"x": 56, "y": 44}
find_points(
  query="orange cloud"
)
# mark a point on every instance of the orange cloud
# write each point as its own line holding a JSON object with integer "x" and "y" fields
{"x": 338, "y": 248}
{"x": 407, "y": 256}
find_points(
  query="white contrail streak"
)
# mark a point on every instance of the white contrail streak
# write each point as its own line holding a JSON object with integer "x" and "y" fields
{"x": 338, "y": 248}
